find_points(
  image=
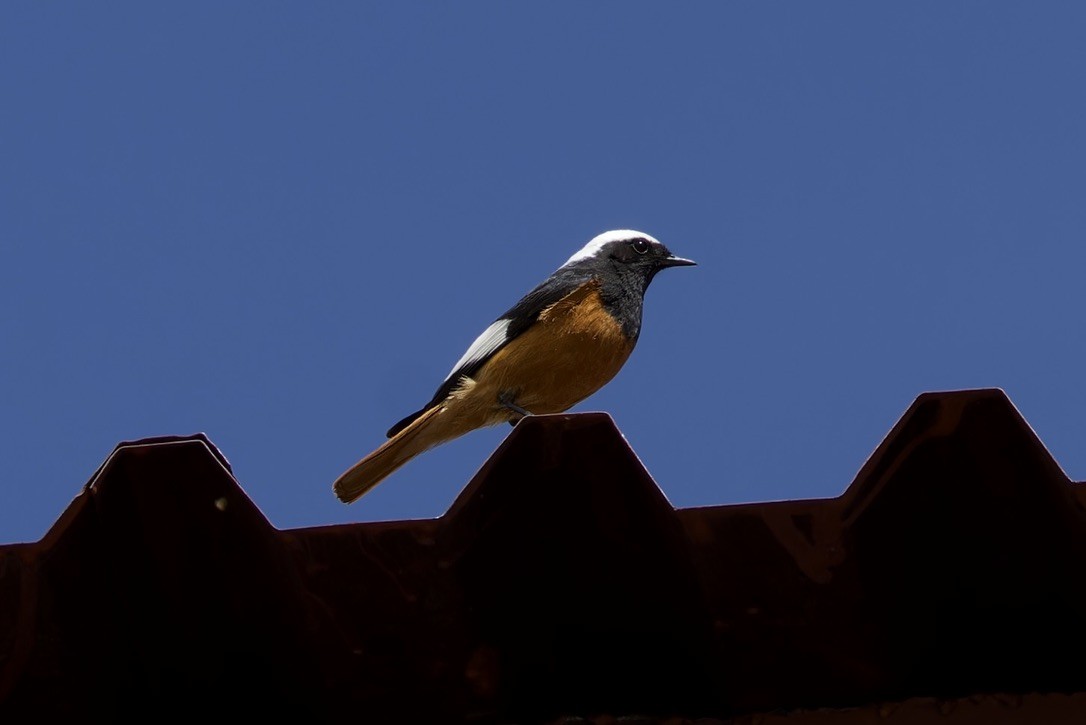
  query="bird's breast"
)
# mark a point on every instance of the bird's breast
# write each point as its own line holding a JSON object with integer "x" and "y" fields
{"x": 574, "y": 348}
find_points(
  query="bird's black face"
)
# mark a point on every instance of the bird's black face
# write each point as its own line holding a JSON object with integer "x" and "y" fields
{"x": 623, "y": 262}
{"x": 644, "y": 254}
{"x": 624, "y": 257}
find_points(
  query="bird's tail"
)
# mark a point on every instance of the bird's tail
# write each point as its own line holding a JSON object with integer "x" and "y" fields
{"x": 420, "y": 435}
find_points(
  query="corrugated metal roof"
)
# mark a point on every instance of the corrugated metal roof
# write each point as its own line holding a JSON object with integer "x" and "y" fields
{"x": 562, "y": 583}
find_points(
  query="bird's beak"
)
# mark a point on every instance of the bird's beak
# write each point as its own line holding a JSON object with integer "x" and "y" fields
{"x": 674, "y": 261}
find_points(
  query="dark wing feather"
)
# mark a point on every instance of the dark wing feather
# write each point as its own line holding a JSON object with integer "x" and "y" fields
{"x": 521, "y": 316}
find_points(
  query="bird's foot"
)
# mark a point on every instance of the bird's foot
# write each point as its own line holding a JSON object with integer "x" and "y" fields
{"x": 506, "y": 401}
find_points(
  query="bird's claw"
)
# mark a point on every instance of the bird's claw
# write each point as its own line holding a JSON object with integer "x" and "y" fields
{"x": 506, "y": 401}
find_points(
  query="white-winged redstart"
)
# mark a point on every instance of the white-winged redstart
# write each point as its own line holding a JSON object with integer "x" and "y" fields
{"x": 560, "y": 343}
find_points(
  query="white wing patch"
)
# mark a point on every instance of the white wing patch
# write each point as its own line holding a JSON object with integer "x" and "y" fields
{"x": 492, "y": 338}
{"x": 616, "y": 235}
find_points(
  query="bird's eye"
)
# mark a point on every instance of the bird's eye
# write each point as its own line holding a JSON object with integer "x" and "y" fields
{"x": 640, "y": 246}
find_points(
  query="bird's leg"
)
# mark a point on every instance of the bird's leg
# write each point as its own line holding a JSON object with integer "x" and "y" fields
{"x": 506, "y": 400}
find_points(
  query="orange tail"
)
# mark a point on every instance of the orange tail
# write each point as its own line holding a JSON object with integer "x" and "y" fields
{"x": 419, "y": 436}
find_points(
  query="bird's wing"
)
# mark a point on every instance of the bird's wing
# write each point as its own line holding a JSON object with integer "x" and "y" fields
{"x": 514, "y": 322}
{"x": 509, "y": 326}
{"x": 489, "y": 342}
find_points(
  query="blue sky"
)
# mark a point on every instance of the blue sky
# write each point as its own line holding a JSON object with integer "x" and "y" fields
{"x": 280, "y": 224}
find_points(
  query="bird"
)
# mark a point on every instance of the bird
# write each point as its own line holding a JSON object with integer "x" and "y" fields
{"x": 563, "y": 341}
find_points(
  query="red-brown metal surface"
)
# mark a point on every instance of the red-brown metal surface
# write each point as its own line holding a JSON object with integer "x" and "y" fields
{"x": 562, "y": 584}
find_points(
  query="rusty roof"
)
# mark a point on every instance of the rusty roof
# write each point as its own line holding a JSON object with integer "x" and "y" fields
{"x": 562, "y": 583}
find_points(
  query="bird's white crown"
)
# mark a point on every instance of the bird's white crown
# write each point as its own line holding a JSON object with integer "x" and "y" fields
{"x": 615, "y": 235}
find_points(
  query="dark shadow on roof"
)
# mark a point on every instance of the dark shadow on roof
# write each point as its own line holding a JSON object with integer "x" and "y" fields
{"x": 561, "y": 582}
